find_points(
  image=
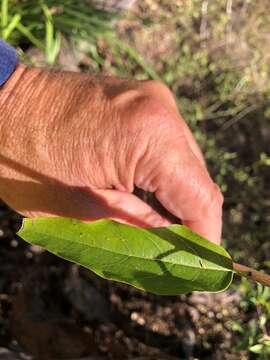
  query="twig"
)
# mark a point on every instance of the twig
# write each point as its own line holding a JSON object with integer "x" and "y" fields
{"x": 229, "y": 25}
{"x": 250, "y": 273}
{"x": 239, "y": 116}
{"x": 203, "y": 26}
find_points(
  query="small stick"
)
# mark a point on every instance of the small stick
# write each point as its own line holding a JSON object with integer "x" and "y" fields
{"x": 255, "y": 275}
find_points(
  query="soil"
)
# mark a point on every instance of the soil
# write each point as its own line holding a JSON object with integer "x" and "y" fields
{"x": 51, "y": 309}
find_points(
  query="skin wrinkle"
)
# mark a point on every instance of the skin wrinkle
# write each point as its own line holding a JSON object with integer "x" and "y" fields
{"x": 207, "y": 197}
{"x": 144, "y": 178}
{"x": 32, "y": 136}
{"x": 75, "y": 120}
{"x": 10, "y": 110}
{"x": 126, "y": 155}
{"x": 197, "y": 191}
{"x": 147, "y": 161}
{"x": 132, "y": 160}
{"x": 72, "y": 149}
{"x": 194, "y": 192}
{"x": 86, "y": 160}
{"x": 102, "y": 149}
{"x": 82, "y": 136}
{"x": 130, "y": 154}
{"x": 99, "y": 146}
{"x": 7, "y": 90}
{"x": 117, "y": 143}
{"x": 153, "y": 115}
{"x": 120, "y": 143}
{"x": 150, "y": 163}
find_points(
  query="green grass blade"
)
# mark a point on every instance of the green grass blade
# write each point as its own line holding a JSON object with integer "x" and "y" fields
{"x": 29, "y": 35}
{"x": 11, "y": 26}
{"x": 4, "y": 14}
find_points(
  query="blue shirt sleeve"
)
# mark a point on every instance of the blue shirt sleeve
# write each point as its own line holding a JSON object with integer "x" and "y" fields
{"x": 8, "y": 61}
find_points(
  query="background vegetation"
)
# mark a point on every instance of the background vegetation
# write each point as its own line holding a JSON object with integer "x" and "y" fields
{"x": 214, "y": 55}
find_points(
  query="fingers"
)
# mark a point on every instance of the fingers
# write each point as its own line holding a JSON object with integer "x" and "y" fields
{"x": 208, "y": 228}
{"x": 128, "y": 208}
{"x": 194, "y": 198}
{"x": 183, "y": 186}
{"x": 91, "y": 205}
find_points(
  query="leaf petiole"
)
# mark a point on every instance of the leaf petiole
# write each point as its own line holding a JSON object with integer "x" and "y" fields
{"x": 252, "y": 274}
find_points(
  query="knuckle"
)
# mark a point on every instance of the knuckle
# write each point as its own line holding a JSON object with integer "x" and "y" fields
{"x": 147, "y": 107}
{"x": 155, "y": 85}
{"x": 147, "y": 113}
{"x": 160, "y": 91}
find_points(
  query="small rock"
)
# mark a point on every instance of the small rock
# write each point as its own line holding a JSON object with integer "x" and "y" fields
{"x": 6, "y": 354}
{"x": 85, "y": 298}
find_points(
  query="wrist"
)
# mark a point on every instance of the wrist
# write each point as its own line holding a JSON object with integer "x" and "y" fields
{"x": 7, "y": 89}
{"x": 14, "y": 98}
{"x": 8, "y": 104}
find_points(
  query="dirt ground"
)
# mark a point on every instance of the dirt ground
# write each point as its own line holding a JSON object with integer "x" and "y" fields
{"x": 51, "y": 309}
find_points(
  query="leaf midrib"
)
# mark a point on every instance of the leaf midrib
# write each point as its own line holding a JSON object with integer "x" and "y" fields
{"x": 135, "y": 256}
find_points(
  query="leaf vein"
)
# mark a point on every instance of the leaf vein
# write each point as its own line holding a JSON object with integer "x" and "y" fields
{"x": 132, "y": 255}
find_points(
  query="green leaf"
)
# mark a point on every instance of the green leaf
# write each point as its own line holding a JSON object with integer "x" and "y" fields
{"x": 168, "y": 261}
{"x": 256, "y": 349}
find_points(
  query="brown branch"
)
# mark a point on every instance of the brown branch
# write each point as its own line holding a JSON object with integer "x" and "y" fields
{"x": 252, "y": 274}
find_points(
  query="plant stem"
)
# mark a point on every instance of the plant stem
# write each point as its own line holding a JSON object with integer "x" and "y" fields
{"x": 250, "y": 273}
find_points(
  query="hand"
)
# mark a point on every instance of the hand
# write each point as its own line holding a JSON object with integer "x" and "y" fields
{"x": 74, "y": 145}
